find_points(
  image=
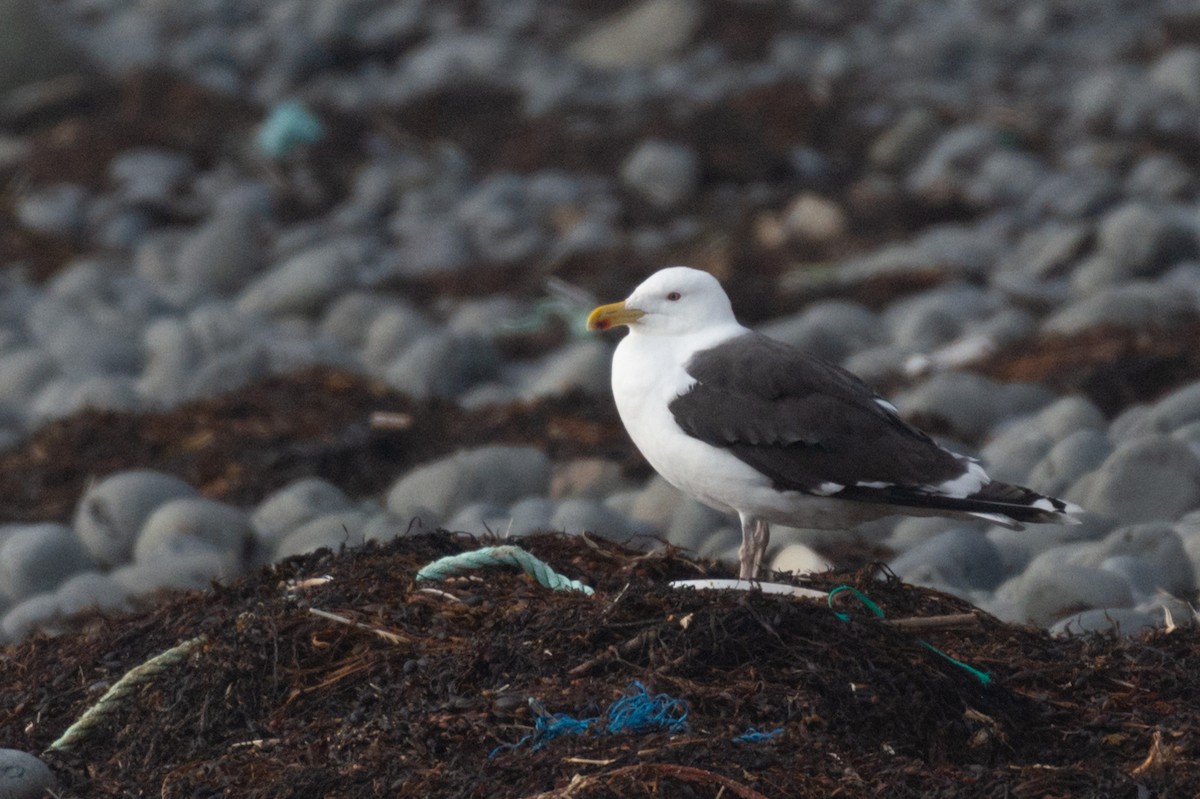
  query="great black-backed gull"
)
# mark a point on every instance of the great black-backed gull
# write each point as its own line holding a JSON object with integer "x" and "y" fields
{"x": 747, "y": 424}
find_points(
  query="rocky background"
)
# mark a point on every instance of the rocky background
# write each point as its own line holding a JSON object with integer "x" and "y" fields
{"x": 285, "y": 275}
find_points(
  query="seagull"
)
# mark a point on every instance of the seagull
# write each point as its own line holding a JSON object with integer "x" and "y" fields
{"x": 750, "y": 425}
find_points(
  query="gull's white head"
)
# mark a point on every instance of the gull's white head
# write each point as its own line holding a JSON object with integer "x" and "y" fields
{"x": 673, "y": 301}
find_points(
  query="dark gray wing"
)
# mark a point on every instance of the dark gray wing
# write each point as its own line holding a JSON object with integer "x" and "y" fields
{"x": 806, "y": 423}
{"x": 803, "y": 421}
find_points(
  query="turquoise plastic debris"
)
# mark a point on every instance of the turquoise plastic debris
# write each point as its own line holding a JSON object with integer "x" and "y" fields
{"x": 289, "y": 125}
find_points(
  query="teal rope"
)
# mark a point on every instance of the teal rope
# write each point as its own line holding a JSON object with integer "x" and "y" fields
{"x": 507, "y": 555}
{"x": 982, "y": 676}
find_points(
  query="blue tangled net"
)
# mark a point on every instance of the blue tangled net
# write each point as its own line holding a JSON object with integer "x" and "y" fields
{"x": 635, "y": 712}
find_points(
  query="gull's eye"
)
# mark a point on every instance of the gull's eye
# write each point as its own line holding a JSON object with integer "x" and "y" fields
{"x": 673, "y": 296}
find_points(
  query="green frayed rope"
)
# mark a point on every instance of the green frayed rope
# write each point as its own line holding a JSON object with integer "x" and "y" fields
{"x": 507, "y": 555}
{"x": 982, "y": 676}
{"x": 113, "y": 697}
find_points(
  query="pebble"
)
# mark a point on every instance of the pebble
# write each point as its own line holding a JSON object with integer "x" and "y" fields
{"x": 112, "y": 511}
{"x": 391, "y": 331}
{"x": 187, "y": 571}
{"x": 24, "y": 372}
{"x": 936, "y": 317}
{"x": 645, "y": 32}
{"x": 479, "y": 518}
{"x": 496, "y": 474}
{"x": 798, "y": 559}
{"x": 1173, "y": 412}
{"x": 530, "y": 515}
{"x": 1049, "y": 590}
{"x": 692, "y": 523}
{"x": 1178, "y": 71}
{"x": 663, "y": 173}
{"x": 332, "y": 531}
{"x": 1077, "y": 454}
{"x": 812, "y": 218}
{"x": 586, "y": 477}
{"x": 1149, "y": 478}
{"x": 1125, "y": 621}
{"x": 830, "y": 329}
{"x": 579, "y": 515}
{"x": 36, "y": 558}
{"x": 657, "y": 503}
{"x": 1151, "y": 556}
{"x": 957, "y": 560}
{"x": 580, "y": 366}
{"x": 1142, "y": 239}
{"x": 899, "y": 147}
{"x": 952, "y": 161}
{"x": 971, "y": 404}
{"x": 304, "y": 282}
{"x": 442, "y": 364}
{"x": 348, "y": 319}
{"x": 430, "y": 247}
{"x": 294, "y": 505}
{"x": 24, "y": 776}
{"x": 192, "y": 524}
{"x": 150, "y": 175}
{"x": 55, "y": 210}
{"x": 90, "y": 590}
{"x": 221, "y": 256}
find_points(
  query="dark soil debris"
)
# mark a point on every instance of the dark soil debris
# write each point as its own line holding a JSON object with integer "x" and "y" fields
{"x": 281, "y": 702}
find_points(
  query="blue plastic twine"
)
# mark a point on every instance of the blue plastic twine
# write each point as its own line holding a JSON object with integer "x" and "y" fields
{"x": 753, "y": 735}
{"x": 636, "y": 712}
{"x": 982, "y": 676}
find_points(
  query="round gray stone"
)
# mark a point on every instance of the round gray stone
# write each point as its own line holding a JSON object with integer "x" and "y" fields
{"x": 1178, "y": 71}
{"x": 293, "y": 505}
{"x": 497, "y": 474}
{"x": 23, "y": 776}
{"x": 1051, "y": 589}
{"x": 580, "y": 515}
{"x": 933, "y": 318}
{"x": 971, "y": 403}
{"x": 332, "y": 531}
{"x": 304, "y": 282}
{"x": 530, "y": 515}
{"x": 149, "y": 175}
{"x": 693, "y": 522}
{"x": 23, "y": 372}
{"x": 587, "y": 477}
{"x": 957, "y": 560}
{"x": 1133, "y": 305}
{"x": 55, "y": 210}
{"x": 222, "y": 255}
{"x": 1151, "y": 478}
{"x": 442, "y": 364}
{"x": 90, "y": 591}
{"x": 392, "y": 331}
{"x": 36, "y": 558}
{"x": 112, "y": 511}
{"x": 189, "y": 571}
{"x": 193, "y": 524}
{"x": 1177, "y": 409}
{"x": 657, "y": 503}
{"x": 350, "y": 316}
{"x": 830, "y": 329}
{"x": 1151, "y": 556}
{"x": 952, "y": 160}
{"x": 479, "y": 518}
{"x": 1081, "y": 452}
{"x": 1126, "y": 621}
{"x": 581, "y": 365}
{"x": 664, "y": 173}
{"x": 1143, "y": 239}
